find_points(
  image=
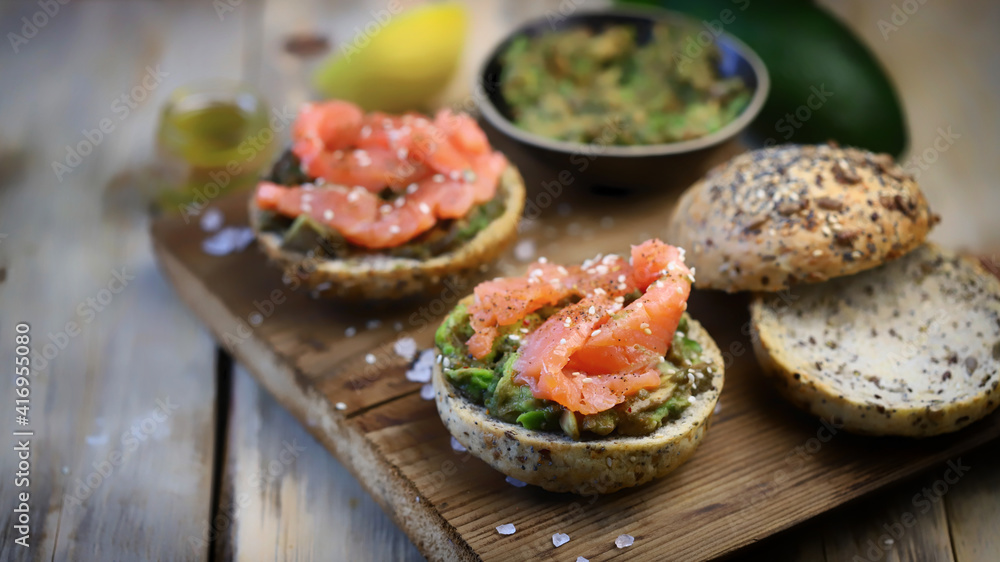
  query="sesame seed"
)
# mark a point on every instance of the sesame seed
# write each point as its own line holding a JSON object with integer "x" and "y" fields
{"x": 385, "y": 209}
{"x": 648, "y": 332}
{"x": 412, "y": 188}
{"x": 328, "y": 214}
{"x": 818, "y": 253}
{"x": 394, "y": 229}
{"x": 438, "y": 178}
{"x": 399, "y": 202}
{"x": 595, "y": 332}
{"x": 592, "y": 310}
{"x": 425, "y": 209}
{"x": 402, "y": 153}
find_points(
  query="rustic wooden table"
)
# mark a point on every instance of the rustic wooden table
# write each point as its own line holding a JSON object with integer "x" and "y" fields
{"x": 128, "y": 460}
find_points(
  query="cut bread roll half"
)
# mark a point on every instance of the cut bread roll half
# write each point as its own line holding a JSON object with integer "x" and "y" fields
{"x": 378, "y": 276}
{"x": 558, "y": 463}
{"x": 911, "y": 348}
{"x": 782, "y": 216}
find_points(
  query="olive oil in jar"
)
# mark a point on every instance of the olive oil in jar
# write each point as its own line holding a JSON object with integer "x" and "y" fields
{"x": 214, "y": 138}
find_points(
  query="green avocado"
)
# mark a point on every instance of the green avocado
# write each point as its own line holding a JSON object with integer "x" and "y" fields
{"x": 825, "y": 84}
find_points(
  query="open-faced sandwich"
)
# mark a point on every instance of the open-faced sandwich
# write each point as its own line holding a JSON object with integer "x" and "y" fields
{"x": 874, "y": 329}
{"x": 380, "y": 206}
{"x": 584, "y": 379}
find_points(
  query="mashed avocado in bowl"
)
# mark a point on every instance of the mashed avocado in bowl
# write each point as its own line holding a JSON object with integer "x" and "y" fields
{"x": 582, "y": 84}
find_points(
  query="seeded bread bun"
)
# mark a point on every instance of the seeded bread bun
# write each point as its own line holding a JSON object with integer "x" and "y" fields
{"x": 910, "y": 348}
{"x": 775, "y": 217}
{"x": 557, "y": 463}
{"x": 382, "y": 277}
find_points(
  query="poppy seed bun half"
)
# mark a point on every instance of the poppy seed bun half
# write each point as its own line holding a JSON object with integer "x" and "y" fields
{"x": 772, "y": 218}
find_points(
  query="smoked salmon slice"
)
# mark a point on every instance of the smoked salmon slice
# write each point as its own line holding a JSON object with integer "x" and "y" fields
{"x": 596, "y": 352}
{"x": 437, "y": 169}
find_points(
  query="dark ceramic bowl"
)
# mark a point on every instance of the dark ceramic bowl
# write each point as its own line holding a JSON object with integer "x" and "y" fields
{"x": 628, "y": 167}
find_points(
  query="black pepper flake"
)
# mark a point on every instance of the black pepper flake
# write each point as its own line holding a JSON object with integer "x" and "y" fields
{"x": 791, "y": 207}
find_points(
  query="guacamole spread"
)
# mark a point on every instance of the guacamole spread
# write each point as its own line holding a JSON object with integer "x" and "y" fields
{"x": 489, "y": 381}
{"x": 614, "y": 88}
{"x": 304, "y": 234}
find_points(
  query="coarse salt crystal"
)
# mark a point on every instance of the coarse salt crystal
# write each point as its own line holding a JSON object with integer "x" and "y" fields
{"x": 340, "y": 406}
{"x": 515, "y": 482}
{"x": 405, "y": 348}
{"x": 506, "y": 529}
{"x": 624, "y": 541}
{"x": 211, "y": 220}
{"x": 456, "y": 446}
{"x": 394, "y": 229}
{"x": 559, "y": 539}
{"x": 425, "y": 209}
{"x": 592, "y": 310}
{"x": 422, "y": 369}
{"x": 350, "y": 331}
{"x": 595, "y": 332}
{"x": 328, "y": 214}
{"x": 370, "y": 359}
{"x": 581, "y": 559}
{"x": 427, "y": 392}
{"x": 692, "y": 399}
{"x": 439, "y": 178}
{"x": 373, "y": 323}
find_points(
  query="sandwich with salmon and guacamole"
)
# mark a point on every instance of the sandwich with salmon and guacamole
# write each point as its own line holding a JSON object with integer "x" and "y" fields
{"x": 382, "y": 206}
{"x": 583, "y": 379}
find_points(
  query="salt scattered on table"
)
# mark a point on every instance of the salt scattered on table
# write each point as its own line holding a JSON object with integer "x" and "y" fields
{"x": 340, "y": 406}
{"x": 581, "y": 559}
{"x": 559, "y": 539}
{"x": 624, "y": 541}
{"x": 525, "y": 250}
{"x": 350, "y": 331}
{"x": 427, "y": 392}
{"x": 211, "y": 220}
{"x": 370, "y": 359}
{"x": 405, "y": 348}
{"x": 423, "y": 368}
{"x": 373, "y": 323}
{"x": 398, "y": 326}
{"x": 718, "y": 408}
{"x": 515, "y": 482}
{"x": 506, "y": 529}
{"x": 227, "y": 241}
{"x": 456, "y": 446}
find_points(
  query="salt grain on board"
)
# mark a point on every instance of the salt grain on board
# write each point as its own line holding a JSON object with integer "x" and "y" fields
{"x": 515, "y": 482}
{"x": 423, "y": 368}
{"x": 624, "y": 541}
{"x": 227, "y": 241}
{"x": 559, "y": 539}
{"x": 370, "y": 359}
{"x": 427, "y": 392}
{"x": 581, "y": 559}
{"x": 456, "y": 446}
{"x": 525, "y": 250}
{"x": 340, "y": 406}
{"x": 211, "y": 220}
{"x": 506, "y": 529}
{"x": 350, "y": 331}
{"x": 405, "y": 348}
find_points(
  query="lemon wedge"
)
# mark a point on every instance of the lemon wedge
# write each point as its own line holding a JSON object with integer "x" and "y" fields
{"x": 400, "y": 66}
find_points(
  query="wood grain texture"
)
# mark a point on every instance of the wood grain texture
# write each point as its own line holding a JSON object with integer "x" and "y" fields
{"x": 762, "y": 468}
{"x": 123, "y": 414}
{"x": 286, "y": 498}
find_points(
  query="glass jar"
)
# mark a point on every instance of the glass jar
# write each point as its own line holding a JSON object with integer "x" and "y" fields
{"x": 213, "y": 138}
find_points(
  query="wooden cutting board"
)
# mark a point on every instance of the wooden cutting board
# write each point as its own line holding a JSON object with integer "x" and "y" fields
{"x": 762, "y": 468}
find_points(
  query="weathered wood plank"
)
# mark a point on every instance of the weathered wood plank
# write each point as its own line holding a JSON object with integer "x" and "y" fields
{"x": 123, "y": 405}
{"x": 289, "y": 499}
{"x": 973, "y": 509}
{"x": 763, "y": 468}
